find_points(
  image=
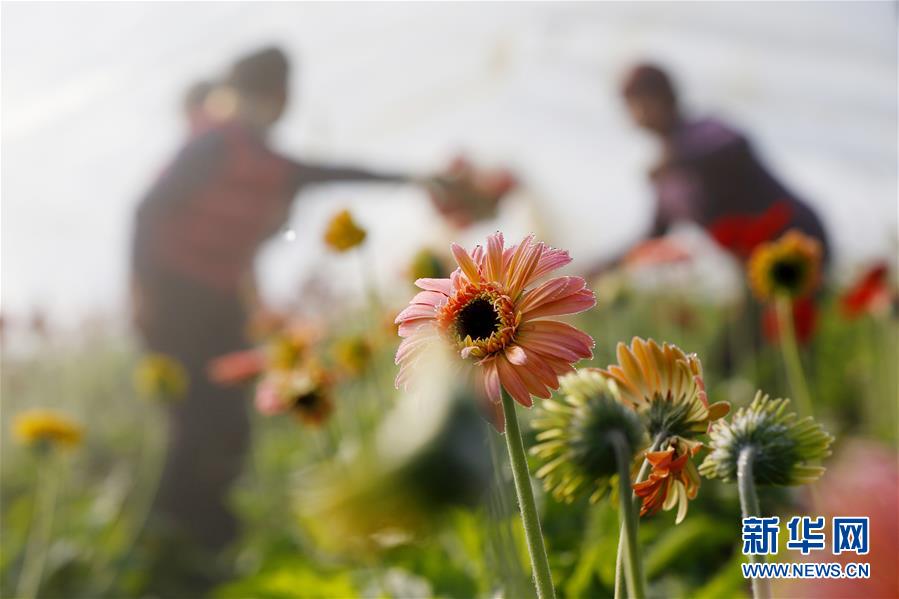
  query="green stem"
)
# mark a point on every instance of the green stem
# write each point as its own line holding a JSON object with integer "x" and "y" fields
{"x": 622, "y": 538}
{"x": 633, "y": 565}
{"x": 153, "y": 458}
{"x": 749, "y": 503}
{"x": 790, "y": 350}
{"x": 529, "y": 518}
{"x": 40, "y": 531}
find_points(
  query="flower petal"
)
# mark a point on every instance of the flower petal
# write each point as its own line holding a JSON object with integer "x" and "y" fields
{"x": 512, "y": 382}
{"x": 443, "y": 286}
{"x": 468, "y": 266}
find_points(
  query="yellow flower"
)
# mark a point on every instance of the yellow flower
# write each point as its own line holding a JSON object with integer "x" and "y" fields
{"x": 353, "y": 354}
{"x": 665, "y": 384}
{"x": 46, "y": 427}
{"x": 789, "y": 267}
{"x": 343, "y": 233}
{"x": 159, "y": 376}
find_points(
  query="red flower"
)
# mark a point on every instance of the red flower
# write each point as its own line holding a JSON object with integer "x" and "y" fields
{"x": 805, "y": 320}
{"x": 741, "y": 234}
{"x": 871, "y": 293}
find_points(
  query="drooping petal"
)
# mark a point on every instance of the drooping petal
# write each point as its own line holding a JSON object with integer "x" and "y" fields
{"x": 512, "y": 382}
{"x": 491, "y": 380}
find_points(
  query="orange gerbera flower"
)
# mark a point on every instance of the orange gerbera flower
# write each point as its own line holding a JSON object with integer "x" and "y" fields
{"x": 673, "y": 479}
{"x": 485, "y": 312}
{"x": 789, "y": 266}
{"x": 305, "y": 393}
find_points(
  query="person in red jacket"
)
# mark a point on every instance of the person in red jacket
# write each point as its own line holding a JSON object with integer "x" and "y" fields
{"x": 198, "y": 230}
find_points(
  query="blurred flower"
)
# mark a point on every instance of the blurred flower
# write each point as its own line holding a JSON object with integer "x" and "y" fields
{"x": 805, "y": 319}
{"x": 673, "y": 480}
{"x": 342, "y": 232}
{"x": 789, "y": 267}
{"x": 237, "y": 367}
{"x": 860, "y": 480}
{"x": 290, "y": 346}
{"x": 305, "y": 393}
{"x": 665, "y": 384}
{"x": 740, "y": 235}
{"x": 353, "y": 354}
{"x": 575, "y": 438}
{"x": 466, "y": 194}
{"x": 421, "y": 469}
{"x": 46, "y": 428}
{"x": 428, "y": 264}
{"x": 660, "y": 251}
{"x": 783, "y": 443}
{"x": 870, "y": 294}
{"x": 159, "y": 376}
{"x": 485, "y": 313}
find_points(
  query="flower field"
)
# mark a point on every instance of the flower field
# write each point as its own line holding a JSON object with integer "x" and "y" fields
{"x": 516, "y": 458}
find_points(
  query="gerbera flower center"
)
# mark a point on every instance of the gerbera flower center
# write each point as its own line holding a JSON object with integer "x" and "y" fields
{"x": 478, "y": 319}
{"x": 307, "y": 401}
{"x": 787, "y": 274}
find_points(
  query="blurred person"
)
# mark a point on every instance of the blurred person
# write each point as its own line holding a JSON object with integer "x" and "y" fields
{"x": 709, "y": 173}
{"x": 197, "y": 233}
{"x": 195, "y": 99}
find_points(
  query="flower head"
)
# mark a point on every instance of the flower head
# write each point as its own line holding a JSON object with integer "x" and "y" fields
{"x": 665, "y": 384}
{"x": 673, "y": 480}
{"x": 290, "y": 347}
{"x": 487, "y": 314}
{"x": 790, "y": 266}
{"x": 46, "y": 428}
{"x": 342, "y": 232}
{"x": 305, "y": 393}
{"x": 353, "y": 354}
{"x": 784, "y": 445}
{"x": 576, "y": 435}
{"x": 159, "y": 376}
{"x": 870, "y": 294}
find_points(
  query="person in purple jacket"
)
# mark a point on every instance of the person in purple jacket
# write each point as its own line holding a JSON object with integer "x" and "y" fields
{"x": 709, "y": 173}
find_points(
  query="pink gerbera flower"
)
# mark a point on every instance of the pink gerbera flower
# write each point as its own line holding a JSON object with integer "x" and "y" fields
{"x": 486, "y": 313}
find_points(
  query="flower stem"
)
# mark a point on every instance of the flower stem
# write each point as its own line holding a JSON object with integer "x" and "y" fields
{"x": 622, "y": 538}
{"x": 749, "y": 503}
{"x": 40, "y": 531}
{"x": 529, "y": 518}
{"x": 633, "y": 565}
{"x": 790, "y": 350}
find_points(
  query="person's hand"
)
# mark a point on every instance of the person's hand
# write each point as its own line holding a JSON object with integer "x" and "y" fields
{"x": 464, "y": 194}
